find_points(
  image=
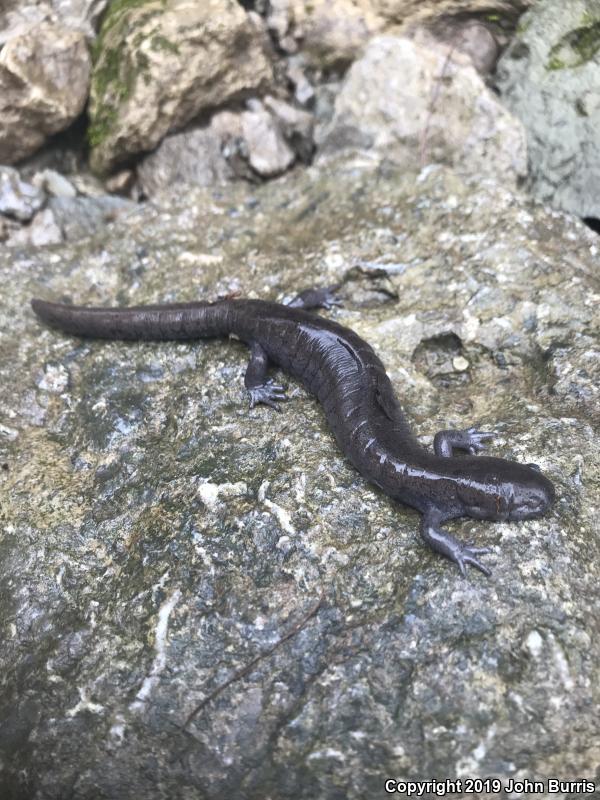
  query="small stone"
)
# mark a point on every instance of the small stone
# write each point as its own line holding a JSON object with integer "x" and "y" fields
{"x": 54, "y": 183}
{"x": 121, "y": 182}
{"x": 303, "y": 89}
{"x": 296, "y": 125}
{"x": 472, "y": 38}
{"x": 88, "y": 185}
{"x": 18, "y": 199}
{"x": 268, "y": 152}
{"x": 44, "y": 229}
{"x": 460, "y": 364}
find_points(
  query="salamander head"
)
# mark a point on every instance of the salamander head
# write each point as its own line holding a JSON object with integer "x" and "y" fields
{"x": 507, "y": 490}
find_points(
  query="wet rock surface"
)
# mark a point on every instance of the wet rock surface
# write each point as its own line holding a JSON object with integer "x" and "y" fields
{"x": 199, "y": 600}
{"x": 548, "y": 77}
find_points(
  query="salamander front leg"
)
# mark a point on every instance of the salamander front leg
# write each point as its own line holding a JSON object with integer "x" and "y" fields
{"x": 443, "y": 542}
{"x": 471, "y": 440}
{"x": 260, "y": 388}
{"x": 316, "y": 298}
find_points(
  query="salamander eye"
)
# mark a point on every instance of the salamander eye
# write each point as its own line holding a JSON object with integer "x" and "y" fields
{"x": 536, "y": 467}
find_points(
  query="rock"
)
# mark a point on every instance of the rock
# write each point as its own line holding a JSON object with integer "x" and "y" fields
{"x": 44, "y": 81}
{"x": 54, "y": 183}
{"x": 18, "y": 199}
{"x": 471, "y": 37}
{"x": 428, "y": 104}
{"x": 121, "y": 183}
{"x": 84, "y": 216}
{"x": 19, "y": 20}
{"x": 190, "y": 158}
{"x": 548, "y": 77}
{"x": 268, "y": 152}
{"x": 4, "y": 228}
{"x": 43, "y": 230}
{"x": 82, "y": 15}
{"x": 161, "y": 64}
{"x": 166, "y": 553}
{"x": 412, "y": 11}
{"x": 88, "y": 185}
{"x": 329, "y": 34}
{"x": 296, "y": 125}
{"x": 303, "y": 89}
{"x": 245, "y": 144}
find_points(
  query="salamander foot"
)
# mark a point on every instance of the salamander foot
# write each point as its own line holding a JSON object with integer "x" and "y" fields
{"x": 443, "y": 542}
{"x": 465, "y": 555}
{"x": 317, "y": 298}
{"x": 471, "y": 440}
{"x": 267, "y": 394}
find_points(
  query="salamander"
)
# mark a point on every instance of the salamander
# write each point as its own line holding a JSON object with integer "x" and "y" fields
{"x": 351, "y": 384}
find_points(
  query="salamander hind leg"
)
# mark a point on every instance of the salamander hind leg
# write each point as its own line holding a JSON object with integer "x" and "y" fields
{"x": 443, "y": 542}
{"x": 260, "y": 388}
{"x": 310, "y": 299}
{"x": 471, "y": 440}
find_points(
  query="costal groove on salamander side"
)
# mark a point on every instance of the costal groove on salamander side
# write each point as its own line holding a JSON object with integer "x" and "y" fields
{"x": 351, "y": 383}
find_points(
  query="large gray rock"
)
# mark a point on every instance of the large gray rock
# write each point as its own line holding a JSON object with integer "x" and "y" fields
{"x": 166, "y": 553}
{"x": 417, "y": 100}
{"x": 44, "y": 82}
{"x": 549, "y": 78}
{"x": 160, "y": 64}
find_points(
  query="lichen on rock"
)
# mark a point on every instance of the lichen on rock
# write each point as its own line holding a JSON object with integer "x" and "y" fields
{"x": 548, "y": 77}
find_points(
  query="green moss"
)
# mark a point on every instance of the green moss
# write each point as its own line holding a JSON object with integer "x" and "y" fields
{"x": 159, "y": 42}
{"x": 555, "y": 63}
{"x": 100, "y": 127}
{"x": 119, "y": 8}
{"x": 576, "y": 47}
{"x": 116, "y": 68}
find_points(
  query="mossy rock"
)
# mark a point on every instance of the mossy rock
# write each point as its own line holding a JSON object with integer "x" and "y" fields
{"x": 160, "y": 63}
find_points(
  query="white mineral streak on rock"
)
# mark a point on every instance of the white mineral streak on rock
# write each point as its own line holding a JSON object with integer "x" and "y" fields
{"x": 209, "y": 492}
{"x": 281, "y": 515}
{"x": 160, "y": 646}
{"x": 84, "y": 704}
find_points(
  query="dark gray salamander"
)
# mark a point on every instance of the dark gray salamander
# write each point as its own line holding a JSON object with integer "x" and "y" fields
{"x": 350, "y": 382}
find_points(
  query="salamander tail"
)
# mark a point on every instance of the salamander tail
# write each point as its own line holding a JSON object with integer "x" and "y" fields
{"x": 158, "y": 323}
